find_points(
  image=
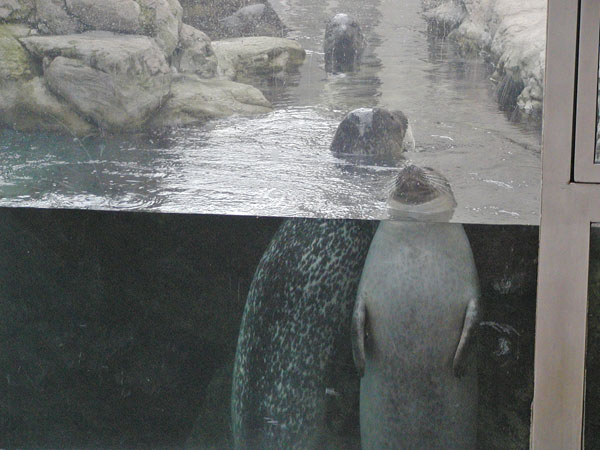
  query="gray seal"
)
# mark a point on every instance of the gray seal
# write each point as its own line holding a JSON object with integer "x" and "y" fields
{"x": 371, "y": 131}
{"x": 414, "y": 320}
{"x": 294, "y": 342}
{"x": 343, "y": 45}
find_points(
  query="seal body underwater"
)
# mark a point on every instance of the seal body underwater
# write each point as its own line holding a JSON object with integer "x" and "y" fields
{"x": 294, "y": 338}
{"x": 414, "y": 321}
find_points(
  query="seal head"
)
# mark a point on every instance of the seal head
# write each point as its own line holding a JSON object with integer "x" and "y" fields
{"x": 420, "y": 193}
{"x": 371, "y": 131}
{"x": 344, "y": 44}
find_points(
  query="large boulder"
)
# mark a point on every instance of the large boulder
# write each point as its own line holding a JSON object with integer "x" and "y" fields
{"x": 206, "y": 15}
{"x": 195, "y": 101}
{"x": 52, "y": 18}
{"x": 122, "y": 16}
{"x": 250, "y": 59}
{"x": 25, "y": 102}
{"x": 117, "y": 81}
{"x": 161, "y": 19}
{"x": 30, "y": 106}
{"x": 16, "y": 10}
{"x": 194, "y": 54}
{"x": 253, "y": 20}
{"x": 16, "y": 63}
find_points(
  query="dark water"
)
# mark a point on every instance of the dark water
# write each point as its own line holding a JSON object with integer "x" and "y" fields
{"x": 280, "y": 164}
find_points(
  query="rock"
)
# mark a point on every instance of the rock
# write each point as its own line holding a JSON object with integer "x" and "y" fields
{"x": 512, "y": 32}
{"x": 253, "y": 20}
{"x": 30, "y": 106}
{"x": 16, "y": 10}
{"x": 53, "y": 18}
{"x": 194, "y": 53}
{"x": 161, "y": 19}
{"x": 16, "y": 62}
{"x": 117, "y": 81}
{"x": 25, "y": 102}
{"x": 122, "y": 16}
{"x": 205, "y": 15}
{"x": 263, "y": 58}
{"x": 445, "y": 17}
{"x": 195, "y": 100}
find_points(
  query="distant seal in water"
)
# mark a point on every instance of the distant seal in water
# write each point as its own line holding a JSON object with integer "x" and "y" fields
{"x": 414, "y": 320}
{"x": 344, "y": 44}
{"x": 371, "y": 131}
{"x": 295, "y": 336}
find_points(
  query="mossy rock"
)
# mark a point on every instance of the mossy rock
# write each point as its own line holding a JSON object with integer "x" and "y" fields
{"x": 17, "y": 64}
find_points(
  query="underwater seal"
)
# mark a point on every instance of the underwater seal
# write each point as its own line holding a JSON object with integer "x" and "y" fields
{"x": 371, "y": 131}
{"x": 343, "y": 45}
{"x": 414, "y": 320}
{"x": 295, "y": 336}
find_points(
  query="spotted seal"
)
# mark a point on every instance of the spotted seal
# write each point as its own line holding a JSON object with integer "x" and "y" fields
{"x": 372, "y": 131}
{"x": 295, "y": 336}
{"x": 343, "y": 45}
{"x": 415, "y": 316}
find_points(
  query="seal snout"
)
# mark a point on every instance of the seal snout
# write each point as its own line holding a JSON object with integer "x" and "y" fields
{"x": 421, "y": 192}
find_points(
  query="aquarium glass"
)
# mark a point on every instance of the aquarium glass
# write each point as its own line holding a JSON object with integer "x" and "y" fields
{"x": 203, "y": 107}
{"x": 120, "y": 330}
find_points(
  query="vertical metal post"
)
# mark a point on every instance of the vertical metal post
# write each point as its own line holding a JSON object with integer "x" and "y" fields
{"x": 564, "y": 248}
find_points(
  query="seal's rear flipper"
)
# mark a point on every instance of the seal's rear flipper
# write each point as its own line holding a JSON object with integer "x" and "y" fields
{"x": 472, "y": 317}
{"x": 359, "y": 319}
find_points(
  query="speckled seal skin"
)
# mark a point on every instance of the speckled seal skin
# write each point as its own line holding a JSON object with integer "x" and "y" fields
{"x": 295, "y": 335}
{"x": 371, "y": 131}
{"x": 414, "y": 320}
{"x": 343, "y": 45}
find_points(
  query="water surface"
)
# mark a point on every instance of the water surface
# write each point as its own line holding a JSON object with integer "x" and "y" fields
{"x": 279, "y": 164}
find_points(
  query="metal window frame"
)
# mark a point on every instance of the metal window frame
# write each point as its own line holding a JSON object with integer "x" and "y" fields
{"x": 568, "y": 209}
{"x": 587, "y": 93}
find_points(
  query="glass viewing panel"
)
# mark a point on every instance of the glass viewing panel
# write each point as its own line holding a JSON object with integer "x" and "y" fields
{"x": 592, "y": 363}
{"x": 121, "y": 330}
{"x": 136, "y": 109}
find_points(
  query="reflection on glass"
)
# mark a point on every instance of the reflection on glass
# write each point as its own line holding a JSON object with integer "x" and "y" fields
{"x": 224, "y": 107}
{"x": 124, "y": 330}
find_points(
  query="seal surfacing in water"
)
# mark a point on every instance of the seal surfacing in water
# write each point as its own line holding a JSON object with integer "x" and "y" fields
{"x": 295, "y": 333}
{"x": 371, "y": 131}
{"x": 343, "y": 45}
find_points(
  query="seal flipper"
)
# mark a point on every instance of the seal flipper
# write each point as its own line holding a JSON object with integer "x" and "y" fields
{"x": 472, "y": 317}
{"x": 359, "y": 319}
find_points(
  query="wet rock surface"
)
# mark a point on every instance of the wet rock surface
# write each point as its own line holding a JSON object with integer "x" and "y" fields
{"x": 259, "y": 19}
{"x": 114, "y": 80}
{"x": 194, "y": 101}
{"x": 258, "y": 60}
{"x": 108, "y": 67}
{"x": 511, "y": 32}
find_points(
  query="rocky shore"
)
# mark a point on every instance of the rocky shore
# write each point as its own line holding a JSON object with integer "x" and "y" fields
{"x": 511, "y": 33}
{"x": 82, "y": 67}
